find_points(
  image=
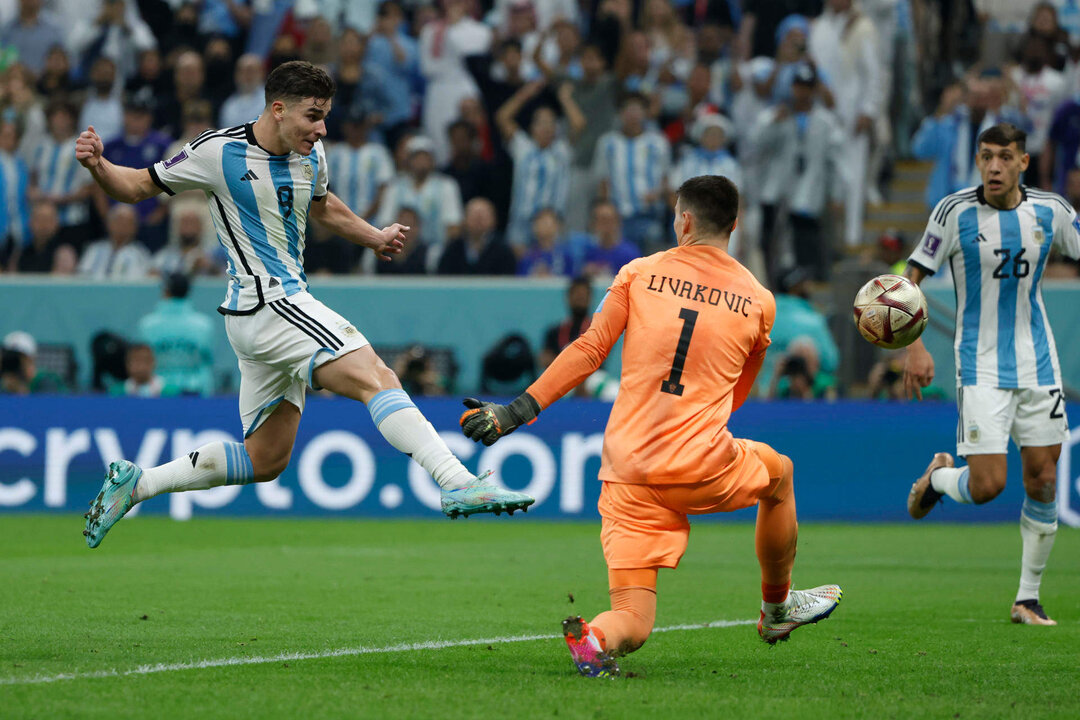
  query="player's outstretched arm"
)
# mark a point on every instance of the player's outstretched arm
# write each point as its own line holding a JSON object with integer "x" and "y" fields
{"x": 129, "y": 185}
{"x": 334, "y": 215}
{"x": 918, "y": 363}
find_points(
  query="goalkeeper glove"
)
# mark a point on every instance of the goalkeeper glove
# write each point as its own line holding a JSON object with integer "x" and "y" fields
{"x": 487, "y": 422}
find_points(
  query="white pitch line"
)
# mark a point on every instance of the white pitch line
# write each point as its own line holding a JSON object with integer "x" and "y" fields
{"x": 340, "y": 652}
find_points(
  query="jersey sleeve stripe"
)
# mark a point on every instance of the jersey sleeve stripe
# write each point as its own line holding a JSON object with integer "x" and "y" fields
{"x": 234, "y": 134}
{"x": 1047, "y": 196}
{"x": 157, "y": 181}
{"x": 943, "y": 213}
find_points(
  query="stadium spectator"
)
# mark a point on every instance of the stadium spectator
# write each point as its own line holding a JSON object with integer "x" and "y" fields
{"x": 630, "y": 166}
{"x": 557, "y": 54}
{"x": 149, "y": 73}
{"x": 579, "y": 305}
{"x": 541, "y": 163}
{"x": 142, "y": 378}
{"x": 186, "y": 254}
{"x": 55, "y": 81}
{"x": 1059, "y": 156}
{"x": 892, "y": 252}
{"x": 55, "y": 175}
{"x": 607, "y": 250}
{"x": 1041, "y": 89}
{"x": 219, "y": 70}
{"x": 230, "y": 18}
{"x": 479, "y": 250}
{"x": 358, "y": 87}
{"x": 547, "y": 254}
{"x": 393, "y": 55}
{"x": 101, "y": 105}
{"x": 418, "y": 372}
{"x": 1044, "y": 25}
{"x": 948, "y": 136}
{"x": 65, "y": 261}
{"x": 801, "y": 324}
{"x": 181, "y": 340}
{"x": 14, "y": 181}
{"x": 683, "y": 104}
{"x": 709, "y": 156}
{"x": 328, "y": 254}
{"x": 183, "y": 30}
{"x": 22, "y": 106}
{"x": 118, "y": 256}
{"x": 246, "y": 104}
{"x": 842, "y": 43}
{"x": 318, "y": 47}
{"x": 434, "y": 196}
{"x": 472, "y": 173}
{"x": 546, "y": 13}
{"x": 591, "y": 111}
{"x": 38, "y": 254}
{"x": 802, "y": 151}
{"x": 116, "y": 32}
{"x": 797, "y": 375}
{"x": 416, "y": 258}
{"x": 362, "y": 169}
{"x": 32, "y": 35}
{"x": 189, "y": 77}
{"x": 444, "y": 45}
{"x": 139, "y": 145}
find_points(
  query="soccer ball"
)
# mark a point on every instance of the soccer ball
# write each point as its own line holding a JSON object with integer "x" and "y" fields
{"x": 890, "y": 311}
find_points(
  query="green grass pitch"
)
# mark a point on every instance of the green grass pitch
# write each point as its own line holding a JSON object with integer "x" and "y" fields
{"x": 922, "y": 631}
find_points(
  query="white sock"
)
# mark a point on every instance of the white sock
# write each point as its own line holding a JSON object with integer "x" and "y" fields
{"x": 406, "y": 428}
{"x": 211, "y": 465}
{"x": 952, "y": 482}
{"x": 1038, "y": 527}
{"x": 775, "y": 609}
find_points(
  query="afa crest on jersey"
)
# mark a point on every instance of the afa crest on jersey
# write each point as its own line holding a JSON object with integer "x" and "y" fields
{"x": 305, "y": 167}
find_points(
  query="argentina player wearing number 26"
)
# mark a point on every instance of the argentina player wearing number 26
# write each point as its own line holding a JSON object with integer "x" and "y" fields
{"x": 262, "y": 181}
{"x": 996, "y": 238}
{"x": 696, "y": 326}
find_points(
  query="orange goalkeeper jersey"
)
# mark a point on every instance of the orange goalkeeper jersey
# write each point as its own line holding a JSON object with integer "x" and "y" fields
{"x": 694, "y": 318}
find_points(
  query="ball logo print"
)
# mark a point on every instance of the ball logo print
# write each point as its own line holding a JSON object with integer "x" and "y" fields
{"x": 890, "y": 311}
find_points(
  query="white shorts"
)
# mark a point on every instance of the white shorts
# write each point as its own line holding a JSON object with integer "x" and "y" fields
{"x": 989, "y": 416}
{"x": 279, "y": 347}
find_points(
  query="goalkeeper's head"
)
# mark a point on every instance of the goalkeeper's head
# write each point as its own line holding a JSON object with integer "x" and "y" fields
{"x": 706, "y": 211}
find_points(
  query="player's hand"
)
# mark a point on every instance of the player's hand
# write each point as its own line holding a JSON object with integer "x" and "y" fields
{"x": 487, "y": 422}
{"x": 391, "y": 241}
{"x": 88, "y": 148}
{"x": 918, "y": 370}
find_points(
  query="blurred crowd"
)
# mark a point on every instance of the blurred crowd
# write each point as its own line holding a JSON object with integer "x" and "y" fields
{"x": 536, "y": 137}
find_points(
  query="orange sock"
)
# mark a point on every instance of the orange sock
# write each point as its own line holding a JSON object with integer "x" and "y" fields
{"x": 626, "y": 627}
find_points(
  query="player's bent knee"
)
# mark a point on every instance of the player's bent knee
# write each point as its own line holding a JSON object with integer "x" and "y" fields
{"x": 985, "y": 487}
{"x": 269, "y": 466}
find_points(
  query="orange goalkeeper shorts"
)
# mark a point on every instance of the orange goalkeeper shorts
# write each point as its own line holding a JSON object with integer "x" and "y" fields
{"x": 646, "y": 526}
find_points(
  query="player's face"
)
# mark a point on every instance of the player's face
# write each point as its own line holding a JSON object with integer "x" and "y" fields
{"x": 303, "y": 123}
{"x": 1000, "y": 167}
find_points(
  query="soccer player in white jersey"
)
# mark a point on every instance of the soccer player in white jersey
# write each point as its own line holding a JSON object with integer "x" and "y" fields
{"x": 996, "y": 238}
{"x": 263, "y": 181}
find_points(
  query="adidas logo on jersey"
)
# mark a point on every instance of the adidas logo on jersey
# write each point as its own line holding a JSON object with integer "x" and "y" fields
{"x": 249, "y": 175}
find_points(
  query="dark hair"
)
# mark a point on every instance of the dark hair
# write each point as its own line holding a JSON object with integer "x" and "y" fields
{"x": 461, "y": 125}
{"x": 133, "y": 348}
{"x": 713, "y": 200}
{"x": 1004, "y": 134}
{"x": 386, "y": 7}
{"x": 633, "y": 96}
{"x": 177, "y": 285}
{"x": 509, "y": 44}
{"x": 296, "y": 80}
{"x": 579, "y": 281}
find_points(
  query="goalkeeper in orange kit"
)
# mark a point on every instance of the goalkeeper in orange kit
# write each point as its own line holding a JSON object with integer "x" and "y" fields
{"x": 696, "y": 327}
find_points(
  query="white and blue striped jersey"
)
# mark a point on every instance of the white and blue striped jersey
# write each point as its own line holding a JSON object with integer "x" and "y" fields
{"x": 14, "y": 205}
{"x": 633, "y": 168}
{"x": 359, "y": 174}
{"x": 997, "y": 257}
{"x": 697, "y": 161}
{"x": 541, "y": 180}
{"x": 55, "y": 171}
{"x": 259, "y": 203}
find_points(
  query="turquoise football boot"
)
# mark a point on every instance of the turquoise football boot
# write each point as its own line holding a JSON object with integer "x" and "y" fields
{"x": 117, "y": 496}
{"x": 483, "y": 496}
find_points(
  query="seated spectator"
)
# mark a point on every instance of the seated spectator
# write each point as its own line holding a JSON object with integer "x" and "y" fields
{"x": 149, "y": 73}
{"x": 413, "y": 260}
{"x": 141, "y": 381}
{"x": 418, "y": 373}
{"x": 541, "y": 163}
{"x": 139, "y": 146}
{"x": 434, "y": 196}
{"x": 798, "y": 319}
{"x": 56, "y": 177}
{"x": 329, "y": 254}
{"x": 631, "y": 165}
{"x": 55, "y": 81}
{"x": 247, "y": 102}
{"x": 37, "y": 256}
{"x": 188, "y": 84}
{"x": 19, "y": 373}
{"x": 32, "y": 34}
{"x": 472, "y": 173}
{"x": 186, "y": 255}
{"x": 580, "y": 306}
{"x": 101, "y": 104}
{"x": 181, "y": 341}
{"x": 796, "y": 376}
{"x": 65, "y": 261}
{"x": 478, "y": 250}
{"x": 14, "y": 178}
{"x": 119, "y": 256}
{"x": 607, "y": 250}
{"x": 117, "y": 32}
{"x": 362, "y": 169}
{"x": 548, "y": 254}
